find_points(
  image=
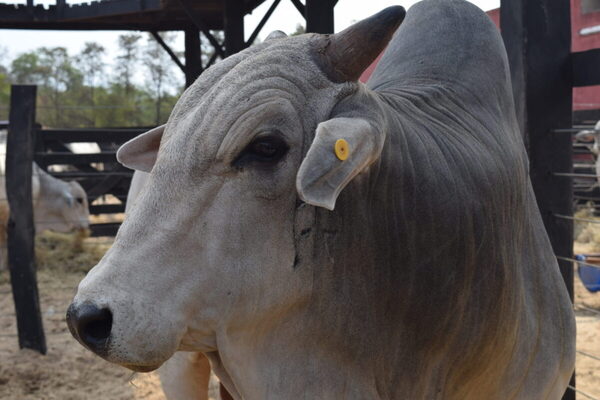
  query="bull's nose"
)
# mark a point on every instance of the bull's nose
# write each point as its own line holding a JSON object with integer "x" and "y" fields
{"x": 91, "y": 326}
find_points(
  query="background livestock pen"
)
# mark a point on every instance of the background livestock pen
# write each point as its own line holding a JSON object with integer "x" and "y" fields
{"x": 537, "y": 35}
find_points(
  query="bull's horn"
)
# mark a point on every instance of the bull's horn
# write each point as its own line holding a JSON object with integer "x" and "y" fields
{"x": 345, "y": 55}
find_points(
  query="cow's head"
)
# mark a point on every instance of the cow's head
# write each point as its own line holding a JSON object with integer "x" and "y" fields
{"x": 60, "y": 206}
{"x": 212, "y": 246}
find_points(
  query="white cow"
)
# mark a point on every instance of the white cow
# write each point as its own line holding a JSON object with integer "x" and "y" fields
{"x": 57, "y": 205}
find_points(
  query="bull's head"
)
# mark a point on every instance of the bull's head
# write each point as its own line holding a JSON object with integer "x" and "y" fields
{"x": 213, "y": 251}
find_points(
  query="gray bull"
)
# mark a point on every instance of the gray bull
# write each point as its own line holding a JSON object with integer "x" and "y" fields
{"x": 433, "y": 278}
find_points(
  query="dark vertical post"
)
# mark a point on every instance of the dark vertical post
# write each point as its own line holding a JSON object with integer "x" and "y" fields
{"x": 193, "y": 60}
{"x": 21, "y": 255}
{"x": 537, "y": 35}
{"x": 233, "y": 22}
{"x": 319, "y": 16}
{"x": 513, "y": 34}
{"x": 60, "y": 8}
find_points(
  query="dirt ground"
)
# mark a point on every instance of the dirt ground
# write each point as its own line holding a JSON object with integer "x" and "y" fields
{"x": 587, "y": 310}
{"x": 69, "y": 372}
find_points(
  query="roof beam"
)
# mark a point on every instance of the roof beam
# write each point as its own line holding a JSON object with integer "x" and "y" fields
{"x": 233, "y": 26}
{"x": 193, "y": 56}
{"x": 251, "y": 5}
{"x": 109, "y": 8}
{"x": 319, "y": 16}
{"x": 168, "y": 50}
{"x": 262, "y": 22}
{"x": 202, "y": 27}
{"x": 144, "y": 15}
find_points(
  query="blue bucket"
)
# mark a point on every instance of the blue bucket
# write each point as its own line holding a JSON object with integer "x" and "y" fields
{"x": 589, "y": 275}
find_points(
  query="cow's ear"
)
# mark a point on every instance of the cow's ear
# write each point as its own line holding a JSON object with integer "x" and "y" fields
{"x": 140, "y": 152}
{"x": 342, "y": 148}
{"x": 585, "y": 136}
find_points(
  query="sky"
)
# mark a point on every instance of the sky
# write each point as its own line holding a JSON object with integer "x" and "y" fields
{"x": 285, "y": 18}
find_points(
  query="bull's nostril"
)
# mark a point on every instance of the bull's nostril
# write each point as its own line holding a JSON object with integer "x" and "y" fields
{"x": 98, "y": 326}
{"x": 91, "y": 326}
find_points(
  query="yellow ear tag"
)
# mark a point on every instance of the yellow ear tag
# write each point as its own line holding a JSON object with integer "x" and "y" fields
{"x": 342, "y": 149}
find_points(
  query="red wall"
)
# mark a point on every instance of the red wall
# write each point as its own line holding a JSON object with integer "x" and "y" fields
{"x": 579, "y": 21}
{"x": 367, "y": 74}
{"x": 586, "y": 98}
{"x": 495, "y": 16}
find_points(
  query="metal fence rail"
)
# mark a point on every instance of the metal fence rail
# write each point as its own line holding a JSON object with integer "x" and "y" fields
{"x": 581, "y": 392}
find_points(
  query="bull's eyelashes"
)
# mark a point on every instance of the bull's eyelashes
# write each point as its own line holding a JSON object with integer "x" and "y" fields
{"x": 264, "y": 149}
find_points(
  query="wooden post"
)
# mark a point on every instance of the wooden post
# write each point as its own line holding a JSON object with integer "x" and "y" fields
{"x": 193, "y": 60}
{"x": 233, "y": 21}
{"x": 20, "y": 240}
{"x": 319, "y": 16}
{"x": 537, "y": 35}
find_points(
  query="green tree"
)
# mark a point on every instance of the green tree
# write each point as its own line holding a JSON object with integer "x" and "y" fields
{"x": 91, "y": 65}
{"x": 26, "y": 69}
{"x": 127, "y": 60}
{"x": 4, "y": 96}
{"x": 159, "y": 67}
{"x": 3, "y": 60}
{"x": 65, "y": 83}
{"x": 4, "y": 84}
{"x": 60, "y": 81}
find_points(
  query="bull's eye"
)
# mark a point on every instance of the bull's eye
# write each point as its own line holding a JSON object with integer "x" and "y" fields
{"x": 263, "y": 149}
{"x": 79, "y": 200}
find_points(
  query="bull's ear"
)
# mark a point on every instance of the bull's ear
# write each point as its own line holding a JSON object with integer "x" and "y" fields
{"x": 140, "y": 152}
{"x": 343, "y": 147}
{"x": 585, "y": 136}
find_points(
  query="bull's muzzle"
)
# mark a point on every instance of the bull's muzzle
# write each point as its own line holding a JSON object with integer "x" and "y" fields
{"x": 91, "y": 326}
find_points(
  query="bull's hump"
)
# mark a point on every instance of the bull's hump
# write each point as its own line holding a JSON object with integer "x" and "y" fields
{"x": 449, "y": 42}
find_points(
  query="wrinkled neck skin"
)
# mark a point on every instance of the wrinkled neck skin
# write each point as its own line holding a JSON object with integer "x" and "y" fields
{"x": 417, "y": 272}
